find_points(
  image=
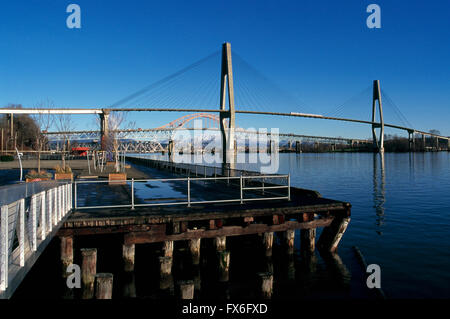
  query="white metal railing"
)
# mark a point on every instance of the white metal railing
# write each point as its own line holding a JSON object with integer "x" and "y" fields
{"x": 25, "y": 224}
{"x": 259, "y": 181}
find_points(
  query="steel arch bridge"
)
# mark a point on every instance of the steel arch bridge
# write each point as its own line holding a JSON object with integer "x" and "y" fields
{"x": 152, "y": 140}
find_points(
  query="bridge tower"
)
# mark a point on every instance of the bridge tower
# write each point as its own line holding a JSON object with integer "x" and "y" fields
{"x": 226, "y": 78}
{"x": 378, "y": 143}
{"x": 104, "y": 128}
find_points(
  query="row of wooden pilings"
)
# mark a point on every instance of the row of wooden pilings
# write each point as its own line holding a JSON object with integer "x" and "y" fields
{"x": 100, "y": 285}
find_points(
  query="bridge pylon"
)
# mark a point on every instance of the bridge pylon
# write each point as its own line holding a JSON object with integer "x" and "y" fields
{"x": 377, "y": 143}
{"x": 226, "y": 78}
{"x": 104, "y": 128}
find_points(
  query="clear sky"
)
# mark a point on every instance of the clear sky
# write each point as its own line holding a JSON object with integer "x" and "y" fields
{"x": 320, "y": 52}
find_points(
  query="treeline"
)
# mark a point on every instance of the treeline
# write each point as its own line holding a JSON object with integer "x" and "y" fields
{"x": 26, "y": 133}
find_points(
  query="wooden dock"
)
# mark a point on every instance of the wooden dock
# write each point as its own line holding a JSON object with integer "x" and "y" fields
{"x": 305, "y": 210}
{"x": 212, "y": 203}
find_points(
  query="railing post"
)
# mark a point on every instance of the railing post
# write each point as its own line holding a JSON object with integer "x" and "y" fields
{"x": 70, "y": 196}
{"x": 21, "y": 235}
{"x": 242, "y": 191}
{"x": 189, "y": 191}
{"x": 59, "y": 204}
{"x": 33, "y": 223}
{"x": 75, "y": 196}
{"x": 263, "y": 185}
{"x": 289, "y": 186}
{"x": 48, "y": 197}
{"x": 55, "y": 205}
{"x": 4, "y": 248}
{"x": 132, "y": 193}
{"x": 43, "y": 219}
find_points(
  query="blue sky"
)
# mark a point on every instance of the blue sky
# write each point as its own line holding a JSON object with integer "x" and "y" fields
{"x": 320, "y": 52}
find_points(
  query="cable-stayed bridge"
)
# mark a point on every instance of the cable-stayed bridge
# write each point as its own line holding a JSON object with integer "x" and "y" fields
{"x": 159, "y": 95}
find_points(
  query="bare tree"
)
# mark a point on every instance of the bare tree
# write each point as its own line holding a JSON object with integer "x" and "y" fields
{"x": 44, "y": 121}
{"x": 116, "y": 121}
{"x": 65, "y": 124}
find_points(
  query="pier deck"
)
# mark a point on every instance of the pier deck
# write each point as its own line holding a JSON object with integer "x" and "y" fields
{"x": 306, "y": 209}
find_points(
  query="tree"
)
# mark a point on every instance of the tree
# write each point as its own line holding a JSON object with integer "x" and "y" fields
{"x": 43, "y": 121}
{"x": 24, "y": 129}
{"x": 65, "y": 124}
{"x": 115, "y": 121}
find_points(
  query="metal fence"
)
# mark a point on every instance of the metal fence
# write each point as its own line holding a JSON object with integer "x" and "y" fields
{"x": 26, "y": 223}
{"x": 244, "y": 183}
{"x": 251, "y": 186}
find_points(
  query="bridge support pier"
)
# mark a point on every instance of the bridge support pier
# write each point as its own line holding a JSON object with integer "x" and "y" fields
{"x": 298, "y": 146}
{"x": 170, "y": 150}
{"x": 410, "y": 141}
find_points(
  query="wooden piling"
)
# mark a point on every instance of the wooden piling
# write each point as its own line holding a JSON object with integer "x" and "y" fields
{"x": 88, "y": 271}
{"x": 307, "y": 240}
{"x": 220, "y": 243}
{"x": 266, "y": 281}
{"x": 289, "y": 236}
{"x": 104, "y": 286}
{"x": 186, "y": 289}
{"x": 66, "y": 253}
{"x": 332, "y": 235}
{"x": 224, "y": 265}
{"x": 129, "y": 287}
{"x": 165, "y": 263}
{"x": 128, "y": 254}
{"x": 194, "y": 247}
{"x": 268, "y": 243}
{"x": 168, "y": 248}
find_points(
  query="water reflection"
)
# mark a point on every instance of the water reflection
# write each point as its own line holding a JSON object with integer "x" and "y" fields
{"x": 379, "y": 189}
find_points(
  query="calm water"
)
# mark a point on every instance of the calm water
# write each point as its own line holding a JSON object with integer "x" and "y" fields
{"x": 400, "y": 221}
{"x": 400, "y": 212}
